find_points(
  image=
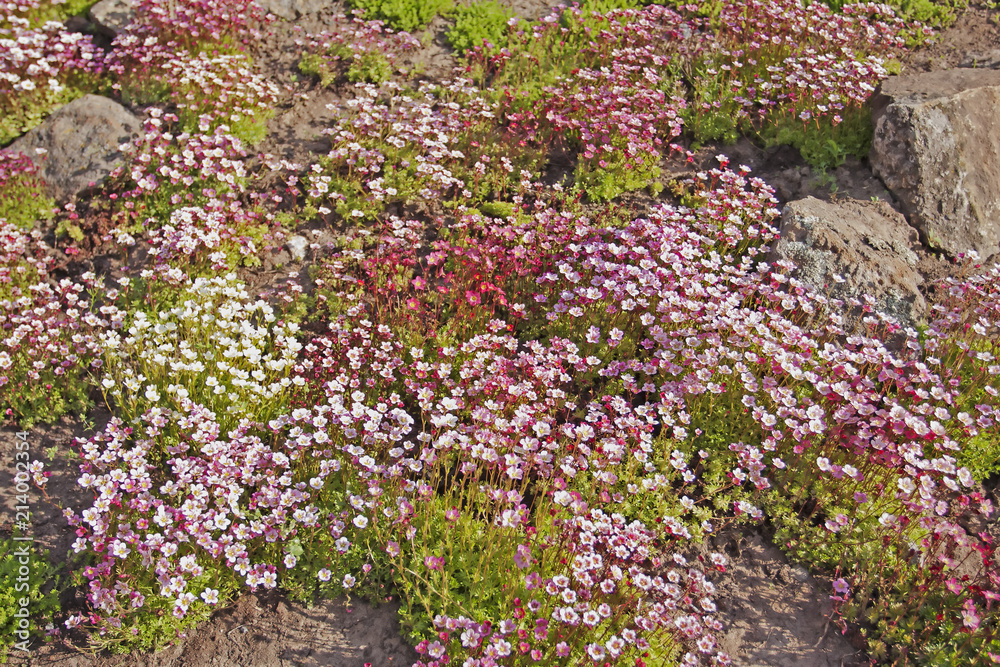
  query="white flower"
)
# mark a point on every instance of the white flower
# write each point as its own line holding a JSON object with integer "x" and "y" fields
{"x": 120, "y": 549}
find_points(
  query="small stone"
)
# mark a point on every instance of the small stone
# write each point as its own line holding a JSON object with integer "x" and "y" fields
{"x": 297, "y": 247}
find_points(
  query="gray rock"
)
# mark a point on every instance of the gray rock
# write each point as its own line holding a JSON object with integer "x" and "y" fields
{"x": 292, "y": 9}
{"x": 867, "y": 244}
{"x": 937, "y": 150}
{"x": 983, "y": 59}
{"x": 112, "y": 16}
{"x": 297, "y": 247}
{"x": 81, "y": 143}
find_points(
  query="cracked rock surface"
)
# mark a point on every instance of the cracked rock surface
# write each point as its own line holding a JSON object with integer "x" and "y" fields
{"x": 937, "y": 151}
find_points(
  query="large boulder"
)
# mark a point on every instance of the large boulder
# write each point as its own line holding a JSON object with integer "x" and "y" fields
{"x": 112, "y": 16}
{"x": 850, "y": 248}
{"x": 80, "y": 144}
{"x": 292, "y": 9}
{"x": 937, "y": 150}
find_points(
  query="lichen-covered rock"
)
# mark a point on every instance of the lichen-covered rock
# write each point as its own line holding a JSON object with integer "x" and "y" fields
{"x": 850, "y": 248}
{"x": 80, "y": 144}
{"x": 937, "y": 150}
{"x": 291, "y": 9}
{"x": 112, "y": 16}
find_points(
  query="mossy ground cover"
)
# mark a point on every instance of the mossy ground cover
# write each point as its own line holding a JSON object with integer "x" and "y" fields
{"x": 518, "y": 406}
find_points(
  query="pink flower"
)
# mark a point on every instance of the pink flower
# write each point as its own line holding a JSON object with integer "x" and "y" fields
{"x": 970, "y": 618}
{"x": 522, "y": 556}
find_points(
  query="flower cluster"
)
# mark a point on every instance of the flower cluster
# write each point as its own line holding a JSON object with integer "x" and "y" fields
{"x": 803, "y": 61}
{"x": 617, "y": 104}
{"x": 33, "y": 11}
{"x": 164, "y": 170}
{"x": 217, "y": 343}
{"x": 220, "y": 89}
{"x": 621, "y": 82}
{"x": 676, "y": 310}
{"x": 612, "y": 598}
{"x": 720, "y": 379}
{"x": 358, "y": 49}
{"x": 39, "y": 68}
{"x": 193, "y": 24}
{"x": 214, "y": 237}
{"x": 397, "y": 149}
{"x": 221, "y": 495}
{"x": 50, "y": 337}
{"x": 48, "y": 53}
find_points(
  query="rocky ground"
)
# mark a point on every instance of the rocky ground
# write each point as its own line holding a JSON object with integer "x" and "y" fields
{"x": 890, "y": 225}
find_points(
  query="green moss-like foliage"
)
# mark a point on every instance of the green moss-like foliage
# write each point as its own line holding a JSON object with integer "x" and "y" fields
{"x": 408, "y": 15}
{"x": 479, "y": 22}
